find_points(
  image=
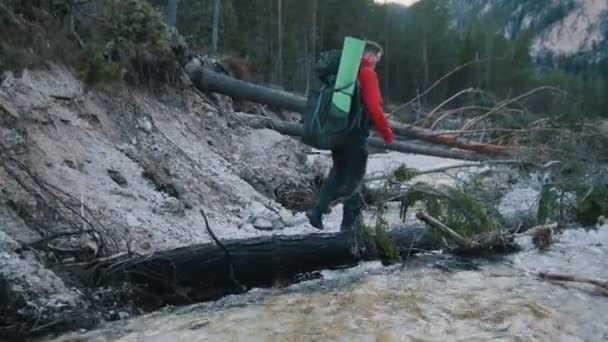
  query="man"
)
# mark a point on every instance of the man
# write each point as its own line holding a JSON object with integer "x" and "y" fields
{"x": 350, "y": 159}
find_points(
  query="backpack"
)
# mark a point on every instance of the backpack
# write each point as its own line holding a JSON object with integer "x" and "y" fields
{"x": 328, "y": 119}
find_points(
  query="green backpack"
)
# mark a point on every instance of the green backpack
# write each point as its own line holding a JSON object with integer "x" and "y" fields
{"x": 333, "y": 105}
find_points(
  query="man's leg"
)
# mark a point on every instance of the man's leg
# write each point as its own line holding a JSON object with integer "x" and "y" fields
{"x": 330, "y": 188}
{"x": 355, "y": 202}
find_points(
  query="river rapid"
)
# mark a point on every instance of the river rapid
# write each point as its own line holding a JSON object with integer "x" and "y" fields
{"x": 434, "y": 297}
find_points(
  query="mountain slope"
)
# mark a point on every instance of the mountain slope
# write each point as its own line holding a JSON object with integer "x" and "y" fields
{"x": 559, "y": 27}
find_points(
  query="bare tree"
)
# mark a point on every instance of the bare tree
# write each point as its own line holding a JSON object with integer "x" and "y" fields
{"x": 216, "y": 24}
{"x": 386, "y": 46}
{"x": 172, "y": 12}
{"x": 280, "y": 41}
{"x": 313, "y": 43}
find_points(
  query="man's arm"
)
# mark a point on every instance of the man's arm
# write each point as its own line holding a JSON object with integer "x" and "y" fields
{"x": 370, "y": 91}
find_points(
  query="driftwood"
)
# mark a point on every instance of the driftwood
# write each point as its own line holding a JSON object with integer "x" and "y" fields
{"x": 295, "y": 129}
{"x": 452, "y": 141}
{"x": 445, "y": 230}
{"x": 209, "y": 271}
{"x": 386, "y": 176}
{"x": 602, "y": 283}
{"x": 207, "y": 80}
{"x": 493, "y": 240}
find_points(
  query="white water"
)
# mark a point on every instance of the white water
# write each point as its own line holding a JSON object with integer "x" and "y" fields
{"x": 431, "y": 298}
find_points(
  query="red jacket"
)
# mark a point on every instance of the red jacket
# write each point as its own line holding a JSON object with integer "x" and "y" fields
{"x": 372, "y": 100}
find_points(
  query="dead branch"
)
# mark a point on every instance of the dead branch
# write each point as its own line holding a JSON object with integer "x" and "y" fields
{"x": 445, "y": 230}
{"x": 505, "y": 103}
{"x": 432, "y": 137}
{"x": 54, "y": 192}
{"x": 542, "y": 235}
{"x": 450, "y": 112}
{"x": 441, "y": 79}
{"x": 603, "y": 283}
{"x": 451, "y": 167}
{"x": 227, "y": 253}
{"x": 450, "y": 99}
{"x": 41, "y": 242}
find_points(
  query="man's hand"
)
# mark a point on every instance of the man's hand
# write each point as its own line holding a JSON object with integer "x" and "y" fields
{"x": 387, "y": 135}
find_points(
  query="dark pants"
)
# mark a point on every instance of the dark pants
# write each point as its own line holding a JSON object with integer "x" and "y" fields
{"x": 345, "y": 180}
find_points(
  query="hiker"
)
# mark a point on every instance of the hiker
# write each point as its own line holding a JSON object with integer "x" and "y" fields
{"x": 350, "y": 158}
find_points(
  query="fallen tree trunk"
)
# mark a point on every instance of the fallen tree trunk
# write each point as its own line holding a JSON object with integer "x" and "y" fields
{"x": 208, "y": 271}
{"x": 295, "y": 129}
{"x": 448, "y": 140}
{"x": 208, "y": 80}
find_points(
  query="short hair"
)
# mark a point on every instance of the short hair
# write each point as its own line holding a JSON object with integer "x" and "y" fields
{"x": 371, "y": 46}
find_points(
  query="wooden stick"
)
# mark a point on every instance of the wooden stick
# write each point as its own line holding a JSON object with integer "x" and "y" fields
{"x": 603, "y": 283}
{"x": 538, "y": 229}
{"x": 433, "y": 222}
{"x": 450, "y": 167}
{"x": 440, "y": 80}
{"x": 505, "y": 103}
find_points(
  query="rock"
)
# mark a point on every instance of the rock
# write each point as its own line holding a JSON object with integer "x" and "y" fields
{"x": 31, "y": 293}
{"x": 171, "y": 206}
{"x": 519, "y": 206}
{"x": 262, "y": 224}
{"x": 146, "y": 125}
{"x": 7, "y": 244}
{"x": 146, "y": 245}
{"x": 8, "y": 116}
{"x": 91, "y": 118}
{"x": 198, "y": 324}
{"x": 118, "y": 178}
{"x": 132, "y": 221}
{"x": 278, "y": 224}
{"x": 246, "y": 226}
{"x": 73, "y": 165}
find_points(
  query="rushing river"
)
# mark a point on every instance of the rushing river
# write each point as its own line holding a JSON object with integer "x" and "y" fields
{"x": 429, "y": 298}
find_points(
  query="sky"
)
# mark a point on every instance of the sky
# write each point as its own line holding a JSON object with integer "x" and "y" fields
{"x": 404, "y": 2}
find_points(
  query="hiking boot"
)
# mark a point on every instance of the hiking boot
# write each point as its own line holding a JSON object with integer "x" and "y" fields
{"x": 316, "y": 220}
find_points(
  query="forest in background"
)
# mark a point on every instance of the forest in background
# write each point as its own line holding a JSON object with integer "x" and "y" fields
{"x": 281, "y": 38}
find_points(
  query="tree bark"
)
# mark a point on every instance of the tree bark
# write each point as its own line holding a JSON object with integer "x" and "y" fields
{"x": 216, "y": 25}
{"x": 208, "y": 271}
{"x": 296, "y": 130}
{"x": 207, "y": 80}
{"x": 448, "y": 140}
{"x": 280, "y": 42}
{"x": 172, "y": 12}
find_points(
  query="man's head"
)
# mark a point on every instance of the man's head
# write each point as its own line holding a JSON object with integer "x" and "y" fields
{"x": 373, "y": 52}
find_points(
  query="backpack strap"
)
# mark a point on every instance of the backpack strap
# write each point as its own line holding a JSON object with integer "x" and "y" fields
{"x": 341, "y": 89}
